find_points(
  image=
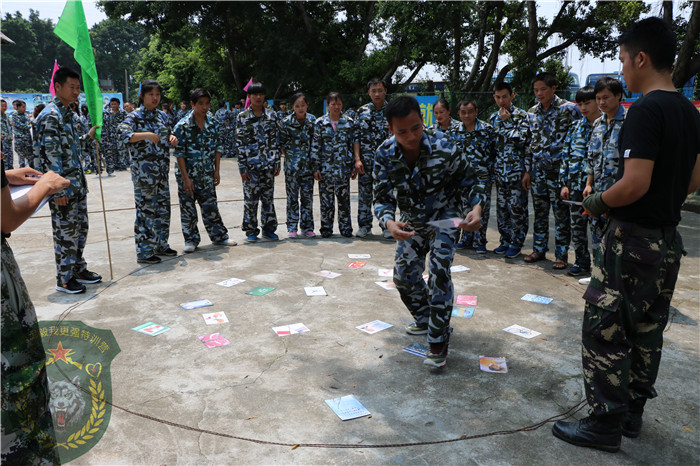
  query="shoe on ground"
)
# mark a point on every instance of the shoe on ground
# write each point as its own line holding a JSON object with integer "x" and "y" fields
{"x": 347, "y": 234}
{"x": 535, "y": 257}
{"x": 415, "y": 328}
{"x": 631, "y": 425}
{"x": 437, "y": 355}
{"x": 88, "y": 172}
{"x": 309, "y": 234}
{"x": 363, "y": 232}
{"x": 270, "y": 236}
{"x": 87, "y": 277}
{"x": 481, "y": 250}
{"x": 149, "y": 260}
{"x": 251, "y": 239}
{"x": 578, "y": 270}
{"x": 326, "y": 234}
{"x": 585, "y": 281}
{"x": 224, "y": 242}
{"x": 502, "y": 249}
{"x": 189, "y": 247}
{"x": 386, "y": 234}
{"x": 560, "y": 264}
{"x": 72, "y": 287}
{"x": 464, "y": 244}
{"x": 292, "y": 235}
{"x": 512, "y": 252}
{"x": 170, "y": 252}
{"x": 590, "y": 432}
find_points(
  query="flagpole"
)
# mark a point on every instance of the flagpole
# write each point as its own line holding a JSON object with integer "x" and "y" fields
{"x": 104, "y": 210}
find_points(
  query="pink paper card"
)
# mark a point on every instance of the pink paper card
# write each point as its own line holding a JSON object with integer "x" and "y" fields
{"x": 213, "y": 340}
{"x": 465, "y": 300}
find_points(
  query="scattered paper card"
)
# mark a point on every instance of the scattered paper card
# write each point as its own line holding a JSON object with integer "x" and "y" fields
{"x": 417, "y": 349}
{"x": 230, "y": 282}
{"x": 327, "y": 274}
{"x": 385, "y": 272}
{"x": 466, "y": 300}
{"x": 355, "y": 265}
{"x": 374, "y": 326}
{"x": 496, "y": 365}
{"x": 290, "y": 329}
{"x": 447, "y": 223}
{"x": 536, "y": 299}
{"x": 347, "y": 407}
{"x": 196, "y": 304}
{"x": 215, "y": 318}
{"x": 150, "y": 328}
{"x": 459, "y": 268}
{"x": 466, "y": 312}
{"x": 315, "y": 291}
{"x": 387, "y": 285}
{"x": 213, "y": 340}
{"x": 260, "y": 290}
{"x": 359, "y": 256}
{"x": 521, "y": 331}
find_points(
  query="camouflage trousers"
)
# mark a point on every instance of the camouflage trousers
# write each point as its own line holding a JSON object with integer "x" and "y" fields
{"x": 300, "y": 201}
{"x": 27, "y": 427}
{"x": 429, "y": 303}
{"x": 88, "y": 154}
{"x": 229, "y": 145}
{"x": 70, "y": 230}
{"x": 25, "y": 152}
{"x": 152, "y": 199}
{"x": 7, "y": 155}
{"x": 331, "y": 191}
{"x": 511, "y": 211}
{"x": 206, "y": 198}
{"x": 478, "y": 238}
{"x": 545, "y": 193}
{"x": 579, "y": 231}
{"x": 110, "y": 155}
{"x": 626, "y": 310}
{"x": 364, "y": 199}
{"x": 259, "y": 190}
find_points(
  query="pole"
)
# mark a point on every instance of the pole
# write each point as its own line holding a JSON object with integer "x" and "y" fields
{"x": 104, "y": 211}
{"x": 126, "y": 86}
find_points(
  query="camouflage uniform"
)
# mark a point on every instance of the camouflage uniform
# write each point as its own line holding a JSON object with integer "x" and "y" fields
{"x": 549, "y": 129}
{"x": 440, "y": 186}
{"x": 27, "y": 427}
{"x": 511, "y": 139}
{"x": 180, "y": 114}
{"x": 295, "y": 139}
{"x": 454, "y": 127}
{"x": 603, "y": 160}
{"x": 282, "y": 115}
{"x": 226, "y": 131}
{"x": 372, "y": 131}
{"x": 111, "y": 149}
{"x": 258, "y": 152}
{"x": 199, "y": 148}
{"x": 83, "y": 125}
{"x": 150, "y": 166}
{"x": 21, "y": 128}
{"x": 572, "y": 174}
{"x": 332, "y": 156}
{"x": 6, "y": 143}
{"x": 479, "y": 147}
{"x": 350, "y": 114}
{"x": 57, "y": 148}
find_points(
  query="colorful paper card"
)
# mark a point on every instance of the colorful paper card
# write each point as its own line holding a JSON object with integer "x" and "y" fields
{"x": 374, "y": 326}
{"x": 213, "y": 340}
{"x": 465, "y": 300}
{"x": 355, "y": 265}
{"x": 327, "y": 274}
{"x": 417, "y": 349}
{"x": 522, "y": 331}
{"x": 387, "y": 285}
{"x": 215, "y": 318}
{"x": 315, "y": 291}
{"x": 465, "y": 312}
{"x": 459, "y": 268}
{"x": 496, "y": 365}
{"x": 359, "y": 256}
{"x": 230, "y": 282}
{"x": 347, "y": 407}
{"x": 385, "y": 272}
{"x": 150, "y": 328}
{"x": 196, "y": 304}
{"x": 536, "y": 299}
{"x": 290, "y": 329}
{"x": 260, "y": 290}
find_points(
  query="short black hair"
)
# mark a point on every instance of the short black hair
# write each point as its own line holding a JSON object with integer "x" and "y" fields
{"x": 400, "y": 107}
{"x": 606, "y": 82}
{"x": 18, "y": 102}
{"x": 585, "y": 94}
{"x": 500, "y": 85}
{"x": 62, "y": 75}
{"x": 297, "y": 96}
{"x": 467, "y": 102}
{"x": 654, "y": 37}
{"x": 256, "y": 88}
{"x": 549, "y": 79}
{"x": 198, "y": 94}
{"x": 334, "y": 96}
{"x": 147, "y": 86}
{"x": 114, "y": 99}
{"x": 375, "y": 81}
{"x": 442, "y": 101}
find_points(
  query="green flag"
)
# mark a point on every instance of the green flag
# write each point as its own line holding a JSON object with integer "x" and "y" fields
{"x": 72, "y": 28}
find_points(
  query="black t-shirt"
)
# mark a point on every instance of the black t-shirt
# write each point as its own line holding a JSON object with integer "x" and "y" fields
{"x": 662, "y": 126}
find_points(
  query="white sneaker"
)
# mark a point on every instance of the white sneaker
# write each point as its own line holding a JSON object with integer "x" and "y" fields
{"x": 189, "y": 247}
{"x": 363, "y": 232}
{"x": 585, "y": 281}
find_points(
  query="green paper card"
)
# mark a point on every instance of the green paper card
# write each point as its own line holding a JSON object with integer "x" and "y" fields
{"x": 260, "y": 290}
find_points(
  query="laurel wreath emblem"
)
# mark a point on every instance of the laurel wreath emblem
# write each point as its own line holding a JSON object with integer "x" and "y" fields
{"x": 91, "y": 427}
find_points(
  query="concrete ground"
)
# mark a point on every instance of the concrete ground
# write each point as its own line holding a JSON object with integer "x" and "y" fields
{"x": 273, "y": 388}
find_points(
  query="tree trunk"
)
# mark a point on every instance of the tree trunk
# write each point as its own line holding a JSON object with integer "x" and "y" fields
{"x": 476, "y": 65}
{"x": 688, "y": 65}
{"x": 531, "y": 30}
{"x": 371, "y": 11}
{"x": 310, "y": 30}
{"x": 484, "y": 82}
{"x": 667, "y": 8}
{"x": 412, "y": 77}
{"x": 395, "y": 63}
{"x": 457, "y": 51}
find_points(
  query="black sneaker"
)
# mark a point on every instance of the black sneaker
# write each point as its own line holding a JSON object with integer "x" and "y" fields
{"x": 167, "y": 252}
{"x": 88, "y": 277}
{"x": 149, "y": 260}
{"x": 72, "y": 287}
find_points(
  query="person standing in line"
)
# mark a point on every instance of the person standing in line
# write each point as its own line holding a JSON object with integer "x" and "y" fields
{"x": 443, "y": 121}
{"x": 111, "y": 119}
{"x": 6, "y": 137}
{"x": 21, "y": 130}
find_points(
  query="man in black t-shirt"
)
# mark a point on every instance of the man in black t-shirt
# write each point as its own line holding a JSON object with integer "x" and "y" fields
{"x": 636, "y": 267}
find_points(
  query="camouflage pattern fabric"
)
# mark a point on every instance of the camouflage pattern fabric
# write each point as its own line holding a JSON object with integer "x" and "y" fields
{"x": 603, "y": 158}
{"x": 626, "y": 311}
{"x": 150, "y": 167}
{"x": 6, "y": 141}
{"x": 300, "y": 201}
{"x": 453, "y": 128}
{"x": 226, "y": 132}
{"x": 549, "y": 129}
{"x": 441, "y": 185}
{"x": 87, "y": 145}
{"x": 331, "y": 191}
{"x": 70, "y": 230}
{"x": 371, "y": 131}
{"x": 296, "y": 138}
{"x": 27, "y": 428}
{"x": 21, "y": 129}
{"x": 259, "y": 190}
{"x": 257, "y": 141}
{"x": 111, "y": 147}
{"x": 206, "y": 198}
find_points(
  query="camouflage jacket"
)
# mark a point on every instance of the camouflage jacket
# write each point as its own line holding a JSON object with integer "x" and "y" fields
{"x": 350, "y": 114}
{"x": 549, "y": 129}
{"x": 180, "y": 114}
{"x": 478, "y": 145}
{"x": 5, "y": 127}
{"x": 454, "y": 127}
{"x": 110, "y": 124}
{"x": 198, "y": 148}
{"x": 21, "y": 127}
{"x": 296, "y": 139}
{"x": 512, "y": 140}
{"x": 57, "y": 147}
{"x": 603, "y": 158}
{"x": 441, "y": 184}
{"x": 332, "y": 150}
{"x": 282, "y": 115}
{"x": 142, "y": 120}
{"x": 572, "y": 171}
{"x": 372, "y": 131}
{"x": 223, "y": 116}
{"x": 257, "y": 141}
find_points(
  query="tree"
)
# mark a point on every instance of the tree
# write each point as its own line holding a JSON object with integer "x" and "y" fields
{"x": 688, "y": 32}
{"x": 117, "y": 44}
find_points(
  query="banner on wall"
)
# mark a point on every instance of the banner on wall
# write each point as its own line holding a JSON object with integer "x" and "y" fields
{"x": 33, "y": 100}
